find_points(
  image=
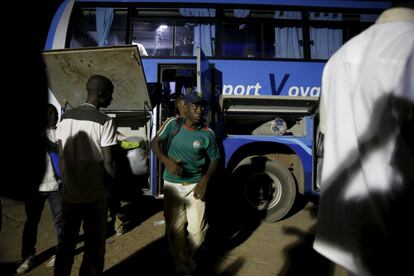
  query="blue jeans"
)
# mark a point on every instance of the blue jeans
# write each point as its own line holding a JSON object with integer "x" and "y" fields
{"x": 34, "y": 208}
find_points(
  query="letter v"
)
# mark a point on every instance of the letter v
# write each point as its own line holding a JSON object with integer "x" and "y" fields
{"x": 281, "y": 86}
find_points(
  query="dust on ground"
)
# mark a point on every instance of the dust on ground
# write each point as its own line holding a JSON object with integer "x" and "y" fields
{"x": 239, "y": 244}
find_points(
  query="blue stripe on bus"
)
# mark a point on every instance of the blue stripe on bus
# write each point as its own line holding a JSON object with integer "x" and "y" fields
{"x": 54, "y": 25}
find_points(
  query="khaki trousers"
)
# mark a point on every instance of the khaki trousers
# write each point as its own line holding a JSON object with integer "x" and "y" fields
{"x": 185, "y": 223}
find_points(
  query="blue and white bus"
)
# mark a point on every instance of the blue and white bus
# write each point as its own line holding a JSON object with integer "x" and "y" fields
{"x": 259, "y": 63}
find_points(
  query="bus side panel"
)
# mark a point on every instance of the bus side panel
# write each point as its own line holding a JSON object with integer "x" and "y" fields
{"x": 270, "y": 77}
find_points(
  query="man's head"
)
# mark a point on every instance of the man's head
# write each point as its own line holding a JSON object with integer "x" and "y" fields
{"x": 100, "y": 91}
{"x": 194, "y": 106}
{"x": 179, "y": 106}
{"x": 52, "y": 115}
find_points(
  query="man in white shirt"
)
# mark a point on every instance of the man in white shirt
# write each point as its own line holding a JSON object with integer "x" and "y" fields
{"x": 367, "y": 177}
{"x": 86, "y": 136}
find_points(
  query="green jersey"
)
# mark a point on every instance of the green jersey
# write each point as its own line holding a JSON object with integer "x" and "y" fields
{"x": 192, "y": 149}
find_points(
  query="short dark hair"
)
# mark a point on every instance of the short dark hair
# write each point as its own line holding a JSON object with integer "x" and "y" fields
{"x": 52, "y": 114}
{"x": 52, "y": 107}
{"x": 97, "y": 83}
{"x": 179, "y": 99}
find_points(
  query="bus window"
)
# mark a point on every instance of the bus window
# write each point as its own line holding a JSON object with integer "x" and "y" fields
{"x": 288, "y": 38}
{"x": 184, "y": 40}
{"x": 99, "y": 27}
{"x": 325, "y": 40}
{"x": 239, "y": 37}
{"x": 328, "y": 32}
{"x": 162, "y": 36}
{"x": 173, "y": 31}
{"x": 241, "y": 40}
{"x": 357, "y": 22}
{"x": 288, "y": 42}
{"x": 204, "y": 33}
{"x": 368, "y": 17}
{"x": 157, "y": 38}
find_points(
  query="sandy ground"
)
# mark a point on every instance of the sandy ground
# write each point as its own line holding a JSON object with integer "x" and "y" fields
{"x": 241, "y": 246}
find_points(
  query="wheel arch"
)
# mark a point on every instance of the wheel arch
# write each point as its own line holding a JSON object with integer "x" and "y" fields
{"x": 272, "y": 151}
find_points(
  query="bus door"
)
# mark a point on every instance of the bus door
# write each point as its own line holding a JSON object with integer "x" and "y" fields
{"x": 175, "y": 80}
{"x": 205, "y": 85}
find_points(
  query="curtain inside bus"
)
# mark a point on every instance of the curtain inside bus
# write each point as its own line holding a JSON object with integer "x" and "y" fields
{"x": 324, "y": 41}
{"x": 288, "y": 40}
{"x": 204, "y": 34}
{"x": 104, "y": 17}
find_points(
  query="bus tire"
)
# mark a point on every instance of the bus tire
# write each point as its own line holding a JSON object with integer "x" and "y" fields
{"x": 268, "y": 186}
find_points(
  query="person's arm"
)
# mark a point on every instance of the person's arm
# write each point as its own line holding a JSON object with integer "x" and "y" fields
{"x": 212, "y": 152}
{"x": 172, "y": 166}
{"x": 108, "y": 161}
{"x": 201, "y": 187}
{"x": 61, "y": 158}
{"x": 107, "y": 143}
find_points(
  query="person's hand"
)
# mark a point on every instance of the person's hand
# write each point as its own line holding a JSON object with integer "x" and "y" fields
{"x": 173, "y": 167}
{"x": 200, "y": 189}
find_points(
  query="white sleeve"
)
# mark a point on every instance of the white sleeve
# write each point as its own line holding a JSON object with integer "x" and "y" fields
{"x": 406, "y": 88}
{"x": 142, "y": 50}
{"x": 59, "y": 131}
{"x": 108, "y": 134}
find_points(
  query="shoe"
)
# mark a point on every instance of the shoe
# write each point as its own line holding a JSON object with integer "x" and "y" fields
{"x": 119, "y": 226}
{"x": 26, "y": 266}
{"x": 120, "y": 230}
{"x": 51, "y": 262}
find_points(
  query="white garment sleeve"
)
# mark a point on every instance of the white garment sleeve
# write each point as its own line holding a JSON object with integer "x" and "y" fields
{"x": 108, "y": 134}
{"x": 406, "y": 89}
{"x": 142, "y": 50}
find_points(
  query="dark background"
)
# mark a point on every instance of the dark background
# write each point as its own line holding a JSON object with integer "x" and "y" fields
{"x": 23, "y": 91}
{"x": 46, "y": 10}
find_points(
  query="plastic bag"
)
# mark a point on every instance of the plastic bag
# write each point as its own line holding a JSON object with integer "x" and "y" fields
{"x": 138, "y": 161}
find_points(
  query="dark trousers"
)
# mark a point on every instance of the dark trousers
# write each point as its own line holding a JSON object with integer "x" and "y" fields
{"x": 94, "y": 217}
{"x": 34, "y": 208}
{"x": 114, "y": 202}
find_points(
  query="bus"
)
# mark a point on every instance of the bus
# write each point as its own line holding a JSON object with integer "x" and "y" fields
{"x": 258, "y": 63}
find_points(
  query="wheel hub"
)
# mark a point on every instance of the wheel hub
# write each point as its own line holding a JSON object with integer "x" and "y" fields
{"x": 263, "y": 191}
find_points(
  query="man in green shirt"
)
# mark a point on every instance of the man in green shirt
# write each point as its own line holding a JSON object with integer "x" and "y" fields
{"x": 191, "y": 159}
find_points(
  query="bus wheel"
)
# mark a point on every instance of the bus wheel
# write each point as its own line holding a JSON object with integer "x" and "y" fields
{"x": 269, "y": 187}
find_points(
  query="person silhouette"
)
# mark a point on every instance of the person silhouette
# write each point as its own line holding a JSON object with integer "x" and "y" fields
{"x": 366, "y": 115}
{"x": 86, "y": 136}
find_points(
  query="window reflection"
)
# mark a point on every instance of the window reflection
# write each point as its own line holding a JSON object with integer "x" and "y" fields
{"x": 86, "y": 32}
{"x": 184, "y": 40}
{"x": 241, "y": 40}
{"x": 155, "y": 37}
